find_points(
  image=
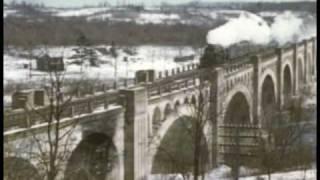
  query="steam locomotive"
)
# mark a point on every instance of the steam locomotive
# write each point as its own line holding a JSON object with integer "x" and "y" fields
{"x": 215, "y": 54}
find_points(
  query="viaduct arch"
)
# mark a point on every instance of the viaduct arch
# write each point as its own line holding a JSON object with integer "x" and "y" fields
{"x": 287, "y": 84}
{"x": 95, "y": 157}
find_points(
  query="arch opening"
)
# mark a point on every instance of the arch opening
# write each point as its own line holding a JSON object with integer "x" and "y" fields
{"x": 156, "y": 119}
{"x": 268, "y": 101}
{"x": 15, "y": 168}
{"x": 311, "y": 65}
{"x": 186, "y": 100}
{"x": 287, "y": 86}
{"x": 176, "y": 150}
{"x": 94, "y": 158}
{"x": 238, "y": 110}
{"x": 201, "y": 99}
{"x": 167, "y": 111}
{"x": 176, "y": 105}
{"x": 301, "y": 76}
{"x": 237, "y": 113}
{"x": 193, "y": 100}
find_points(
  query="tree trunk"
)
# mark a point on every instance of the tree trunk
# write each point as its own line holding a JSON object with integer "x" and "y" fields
{"x": 304, "y": 173}
{"x": 197, "y": 143}
{"x": 51, "y": 174}
{"x": 235, "y": 168}
{"x": 235, "y": 173}
{"x": 269, "y": 174}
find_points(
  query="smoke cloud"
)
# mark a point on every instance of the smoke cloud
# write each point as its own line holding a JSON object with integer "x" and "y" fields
{"x": 287, "y": 27}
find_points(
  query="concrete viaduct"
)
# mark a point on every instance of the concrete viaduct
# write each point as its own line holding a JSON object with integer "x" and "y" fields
{"x": 132, "y": 122}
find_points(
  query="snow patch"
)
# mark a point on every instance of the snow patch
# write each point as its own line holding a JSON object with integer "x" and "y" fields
{"x": 310, "y": 174}
{"x": 79, "y": 12}
{"x": 156, "y": 18}
{"x": 100, "y": 17}
{"x": 159, "y": 58}
{"x": 219, "y": 173}
{"x": 268, "y": 14}
{"x": 223, "y": 172}
{"x": 8, "y": 12}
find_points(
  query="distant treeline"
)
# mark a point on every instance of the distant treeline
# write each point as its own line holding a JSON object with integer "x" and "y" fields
{"x": 41, "y": 28}
{"x": 283, "y": 6}
{"x": 249, "y": 6}
{"x": 56, "y": 31}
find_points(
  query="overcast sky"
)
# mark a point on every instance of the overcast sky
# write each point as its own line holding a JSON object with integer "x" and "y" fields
{"x": 71, "y": 3}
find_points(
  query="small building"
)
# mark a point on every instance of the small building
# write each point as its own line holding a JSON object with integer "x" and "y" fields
{"x": 145, "y": 76}
{"x": 29, "y": 98}
{"x": 22, "y": 99}
{"x": 49, "y": 64}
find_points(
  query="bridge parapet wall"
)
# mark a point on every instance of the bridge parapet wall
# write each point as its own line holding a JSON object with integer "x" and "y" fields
{"x": 233, "y": 69}
{"x": 175, "y": 71}
{"x": 23, "y": 118}
{"x": 270, "y": 54}
{"x": 288, "y": 53}
{"x": 287, "y": 48}
{"x": 170, "y": 87}
{"x": 301, "y": 47}
{"x": 176, "y": 81}
{"x": 239, "y": 75}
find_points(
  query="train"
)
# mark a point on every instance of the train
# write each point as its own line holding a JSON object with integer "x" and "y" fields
{"x": 215, "y": 54}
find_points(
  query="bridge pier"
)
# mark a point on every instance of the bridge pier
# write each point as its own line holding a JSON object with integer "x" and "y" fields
{"x": 280, "y": 80}
{"x": 256, "y": 60}
{"x": 295, "y": 71}
{"x": 136, "y": 133}
{"x": 216, "y": 113}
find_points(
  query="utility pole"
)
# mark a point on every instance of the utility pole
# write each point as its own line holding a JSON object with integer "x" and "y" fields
{"x": 30, "y": 68}
{"x": 114, "y": 55}
{"x": 152, "y": 58}
{"x": 125, "y": 59}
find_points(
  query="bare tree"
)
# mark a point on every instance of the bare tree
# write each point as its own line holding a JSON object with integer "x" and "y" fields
{"x": 53, "y": 148}
{"x": 201, "y": 116}
{"x": 280, "y": 143}
{"x": 192, "y": 127}
{"x": 50, "y": 149}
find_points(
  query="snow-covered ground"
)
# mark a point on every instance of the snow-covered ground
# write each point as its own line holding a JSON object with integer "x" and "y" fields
{"x": 102, "y": 17}
{"x": 269, "y": 13}
{"x": 310, "y": 174}
{"x": 223, "y": 172}
{"x": 79, "y": 12}
{"x": 148, "y": 57}
{"x": 156, "y": 18}
{"x": 7, "y": 12}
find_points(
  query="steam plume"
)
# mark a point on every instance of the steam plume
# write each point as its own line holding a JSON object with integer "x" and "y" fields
{"x": 287, "y": 27}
